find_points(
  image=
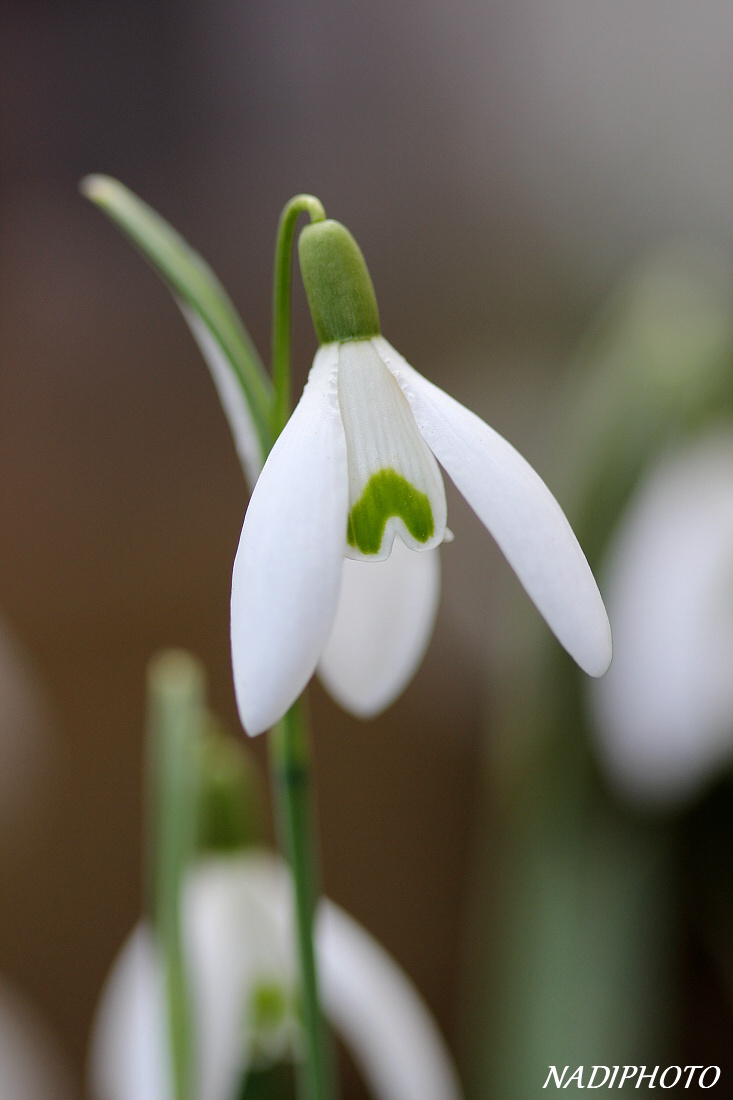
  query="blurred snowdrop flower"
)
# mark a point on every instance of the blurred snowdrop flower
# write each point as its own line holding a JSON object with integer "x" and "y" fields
{"x": 237, "y": 925}
{"x": 664, "y": 713}
{"x": 31, "y": 1065}
{"x": 353, "y": 471}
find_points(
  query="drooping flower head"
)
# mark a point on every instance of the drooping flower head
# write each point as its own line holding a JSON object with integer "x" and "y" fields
{"x": 354, "y": 476}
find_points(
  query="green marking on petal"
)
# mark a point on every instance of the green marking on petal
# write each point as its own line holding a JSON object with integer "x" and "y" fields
{"x": 386, "y": 494}
{"x": 269, "y": 1005}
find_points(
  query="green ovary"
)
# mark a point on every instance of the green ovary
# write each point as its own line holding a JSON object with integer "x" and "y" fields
{"x": 269, "y": 1005}
{"x": 386, "y": 494}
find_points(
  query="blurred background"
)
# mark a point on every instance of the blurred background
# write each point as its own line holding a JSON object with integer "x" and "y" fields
{"x": 506, "y": 168}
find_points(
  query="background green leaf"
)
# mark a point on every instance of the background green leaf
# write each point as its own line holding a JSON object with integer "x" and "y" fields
{"x": 243, "y": 386}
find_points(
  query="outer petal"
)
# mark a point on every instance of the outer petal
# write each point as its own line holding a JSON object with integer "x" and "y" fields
{"x": 287, "y": 570}
{"x": 520, "y": 512}
{"x": 236, "y": 933}
{"x": 384, "y": 621}
{"x": 240, "y": 910}
{"x": 380, "y": 1015}
{"x": 238, "y": 928}
{"x": 230, "y": 393}
{"x": 664, "y": 714}
{"x": 234, "y": 911}
{"x": 129, "y": 1056}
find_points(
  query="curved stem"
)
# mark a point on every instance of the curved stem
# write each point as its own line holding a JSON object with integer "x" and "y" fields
{"x": 291, "y": 774}
{"x": 301, "y": 204}
{"x": 289, "y": 741}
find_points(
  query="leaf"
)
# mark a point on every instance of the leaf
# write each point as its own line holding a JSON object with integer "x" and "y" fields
{"x": 176, "y": 718}
{"x": 243, "y": 386}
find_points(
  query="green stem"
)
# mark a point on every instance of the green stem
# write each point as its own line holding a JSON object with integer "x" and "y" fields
{"x": 175, "y": 722}
{"x": 289, "y": 740}
{"x": 291, "y": 775}
{"x": 301, "y": 204}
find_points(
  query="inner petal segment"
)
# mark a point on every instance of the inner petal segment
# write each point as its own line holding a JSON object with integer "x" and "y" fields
{"x": 395, "y": 486}
{"x": 387, "y": 494}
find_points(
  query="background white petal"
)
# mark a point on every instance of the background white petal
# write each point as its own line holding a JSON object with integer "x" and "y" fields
{"x": 385, "y": 617}
{"x": 287, "y": 571}
{"x": 380, "y": 1015}
{"x": 234, "y": 912}
{"x": 513, "y": 502}
{"x": 129, "y": 1054}
{"x": 238, "y": 930}
{"x": 239, "y": 910}
{"x": 236, "y": 933}
{"x": 664, "y": 714}
{"x": 234, "y": 403}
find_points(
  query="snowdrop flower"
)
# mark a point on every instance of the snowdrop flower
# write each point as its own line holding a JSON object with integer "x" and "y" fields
{"x": 238, "y": 936}
{"x": 353, "y": 480}
{"x": 664, "y": 714}
{"x": 326, "y": 575}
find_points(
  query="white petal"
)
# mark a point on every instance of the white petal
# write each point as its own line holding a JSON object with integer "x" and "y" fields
{"x": 382, "y": 442}
{"x": 234, "y": 403}
{"x": 380, "y": 1015}
{"x": 234, "y": 911}
{"x": 239, "y": 922}
{"x": 384, "y": 621}
{"x": 287, "y": 571}
{"x": 664, "y": 713}
{"x": 238, "y": 930}
{"x": 520, "y": 512}
{"x": 129, "y": 1055}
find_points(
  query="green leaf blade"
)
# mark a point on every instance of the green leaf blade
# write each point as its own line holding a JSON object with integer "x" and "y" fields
{"x": 197, "y": 290}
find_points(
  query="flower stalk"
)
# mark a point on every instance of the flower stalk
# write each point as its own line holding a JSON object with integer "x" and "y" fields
{"x": 289, "y": 748}
{"x": 289, "y": 743}
{"x": 281, "y": 295}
